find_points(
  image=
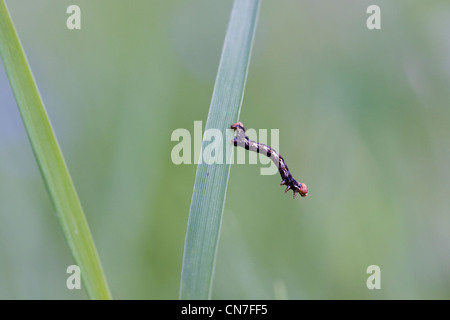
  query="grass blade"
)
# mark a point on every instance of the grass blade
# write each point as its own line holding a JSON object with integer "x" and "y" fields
{"x": 208, "y": 199}
{"x": 50, "y": 160}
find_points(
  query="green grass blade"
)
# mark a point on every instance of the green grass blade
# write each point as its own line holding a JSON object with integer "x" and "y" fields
{"x": 208, "y": 199}
{"x": 50, "y": 159}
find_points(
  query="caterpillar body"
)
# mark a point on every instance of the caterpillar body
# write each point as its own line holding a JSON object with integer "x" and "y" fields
{"x": 243, "y": 141}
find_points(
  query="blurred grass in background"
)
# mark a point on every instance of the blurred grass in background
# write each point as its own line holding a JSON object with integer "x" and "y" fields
{"x": 364, "y": 122}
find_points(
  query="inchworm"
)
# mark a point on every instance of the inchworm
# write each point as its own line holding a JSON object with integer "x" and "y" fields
{"x": 243, "y": 141}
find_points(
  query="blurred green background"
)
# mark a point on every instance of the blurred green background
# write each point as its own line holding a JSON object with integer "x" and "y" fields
{"x": 364, "y": 119}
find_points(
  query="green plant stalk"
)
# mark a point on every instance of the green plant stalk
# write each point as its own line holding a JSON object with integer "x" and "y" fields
{"x": 50, "y": 160}
{"x": 208, "y": 198}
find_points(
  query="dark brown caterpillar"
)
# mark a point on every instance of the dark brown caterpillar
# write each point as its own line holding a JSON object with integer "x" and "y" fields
{"x": 243, "y": 141}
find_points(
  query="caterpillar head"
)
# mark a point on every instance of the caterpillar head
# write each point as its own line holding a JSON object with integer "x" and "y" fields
{"x": 302, "y": 189}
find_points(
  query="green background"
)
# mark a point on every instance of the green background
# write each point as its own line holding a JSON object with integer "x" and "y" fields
{"x": 364, "y": 120}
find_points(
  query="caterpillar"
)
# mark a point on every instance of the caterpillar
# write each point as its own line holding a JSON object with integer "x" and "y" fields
{"x": 243, "y": 141}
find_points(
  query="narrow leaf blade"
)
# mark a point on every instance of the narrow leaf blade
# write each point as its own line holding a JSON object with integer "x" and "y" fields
{"x": 208, "y": 199}
{"x": 50, "y": 159}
